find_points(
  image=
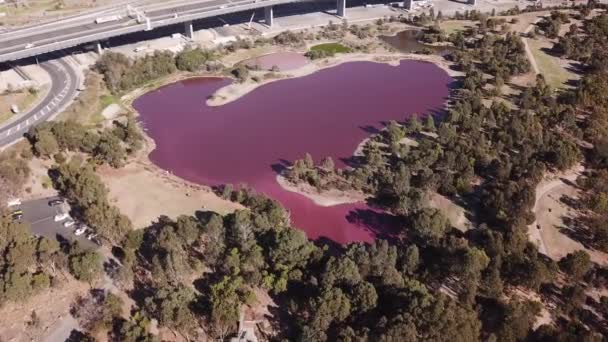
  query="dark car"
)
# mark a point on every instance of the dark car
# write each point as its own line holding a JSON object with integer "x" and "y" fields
{"x": 55, "y": 202}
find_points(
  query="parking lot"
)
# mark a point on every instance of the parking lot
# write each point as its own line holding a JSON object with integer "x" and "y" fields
{"x": 40, "y": 215}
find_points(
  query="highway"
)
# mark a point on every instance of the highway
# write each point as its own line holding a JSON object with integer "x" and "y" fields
{"x": 61, "y": 34}
{"x": 64, "y": 84}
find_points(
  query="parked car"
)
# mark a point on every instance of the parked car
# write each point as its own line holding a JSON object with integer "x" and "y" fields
{"x": 61, "y": 217}
{"x": 69, "y": 223}
{"x": 56, "y": 201}
{"x": 80, "y": 231}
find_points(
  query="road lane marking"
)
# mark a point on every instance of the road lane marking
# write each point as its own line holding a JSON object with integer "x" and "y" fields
{"x": 42, "y": 219}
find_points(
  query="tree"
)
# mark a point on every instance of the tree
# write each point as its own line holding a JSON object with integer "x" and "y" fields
{"x": 308, "y": 161}
{"x": 135, "y": 330}
{"x": 171, "y": 306}
{"x": 214, "y": 239}
{"x": 225, "y": 305}
{"x": 89, "y": 197}
{"x": 85, "y": 265}
{"x": 413, "y": 125}
{"x": 110, "y": 150}
{"x": 429, "y": 123}
{"x": 411, "y": 260}
{"x": 328, "y": 164}
{"x": 518, "y": 319}
{"x": 430, "y": 224}
{"x": 364, "y": 297}
{"x": 576, "y": 264}
{"x": 192, "y": 59}
{"x": 46, "y": 145}
{"x": 331, "y": 306}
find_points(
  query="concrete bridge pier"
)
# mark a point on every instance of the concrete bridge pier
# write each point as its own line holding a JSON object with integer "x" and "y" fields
{"x": 188, "y": 29}
{"x": 98, "y": 47}
{"x": 472, "y": 2}
{"x": 341, "y": 5}
{"x": 408, "y": 4}
{"x": 268, "y": 16}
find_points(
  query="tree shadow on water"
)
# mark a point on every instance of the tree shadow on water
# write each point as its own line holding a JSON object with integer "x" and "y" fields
{"x": 281, "y": 166}
{"x": 370, "y": 129}
{"x": 382, "y": 225}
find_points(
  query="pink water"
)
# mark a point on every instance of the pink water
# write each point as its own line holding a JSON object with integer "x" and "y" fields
{"x": 327, "y": 113}
{"x": 284, "y": 61}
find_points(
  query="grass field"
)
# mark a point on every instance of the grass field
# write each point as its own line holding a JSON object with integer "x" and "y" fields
{"x": 24, "y": 100}
{"x": 450, "y": 26}
{"x": 549, "y": 66}
{"x": 87, "y": 107}
{"x": 331, "y": 48}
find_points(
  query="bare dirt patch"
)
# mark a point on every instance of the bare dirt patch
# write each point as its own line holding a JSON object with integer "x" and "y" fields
{"x": 23, "y": 99}
{"x": 39, "y": 185}
{"x": 325, "y": 198}
{"x": 52, "y": 307}
{"x": 554, "y": 69}
{"x": 551, "y": 212}
{"x": 143, "y": 192}
{"x": 452, "y": 211}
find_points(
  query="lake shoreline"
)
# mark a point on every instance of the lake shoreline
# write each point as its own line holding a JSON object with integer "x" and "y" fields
{"x": 235, "y": 91}
{"x": 222, "y": 158}
{"x": 327, "y": 198}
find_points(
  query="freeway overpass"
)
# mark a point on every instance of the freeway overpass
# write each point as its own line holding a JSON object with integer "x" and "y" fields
{"x": 77, "y": 30}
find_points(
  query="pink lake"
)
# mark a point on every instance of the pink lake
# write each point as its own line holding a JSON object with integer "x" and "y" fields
{"x": 327, "y": 113}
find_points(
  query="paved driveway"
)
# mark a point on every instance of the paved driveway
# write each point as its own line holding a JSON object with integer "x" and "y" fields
{"x": 40, "y": 215}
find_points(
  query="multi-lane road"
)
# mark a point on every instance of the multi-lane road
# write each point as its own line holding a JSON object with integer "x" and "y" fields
{"x": 23, "y": 42}
{"x": 77, "y": 30}
{"x": 64, "y": 84}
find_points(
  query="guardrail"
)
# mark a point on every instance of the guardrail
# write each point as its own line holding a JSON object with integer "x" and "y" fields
{"x": 68, "y": 43}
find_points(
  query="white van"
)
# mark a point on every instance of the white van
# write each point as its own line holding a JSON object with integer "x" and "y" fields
{"x": 14, "y": 202}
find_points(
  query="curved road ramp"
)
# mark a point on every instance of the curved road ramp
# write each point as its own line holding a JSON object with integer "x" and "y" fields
{"x": 64, "y": 84}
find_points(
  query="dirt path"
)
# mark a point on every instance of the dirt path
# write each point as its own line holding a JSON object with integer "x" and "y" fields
{"x": 62, "y": 330}
{"x": 531, "y": 56}
{"x": 542, "y": 195}
{"x": 543, "y": 206}
{"x": 550, "y": 213}
{"x": 528, "y": 50}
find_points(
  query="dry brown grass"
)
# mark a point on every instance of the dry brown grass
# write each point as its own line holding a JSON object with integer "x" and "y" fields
{"x": 452, "y": 211}
{"x": 51, "y": 307}
{"x": 143, "y": 193}
{"x": 550, "y": 213}
{"x": 87, "y": 107}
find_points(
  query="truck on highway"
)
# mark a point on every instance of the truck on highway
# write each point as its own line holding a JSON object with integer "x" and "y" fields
{"x": 107, "y": 19}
